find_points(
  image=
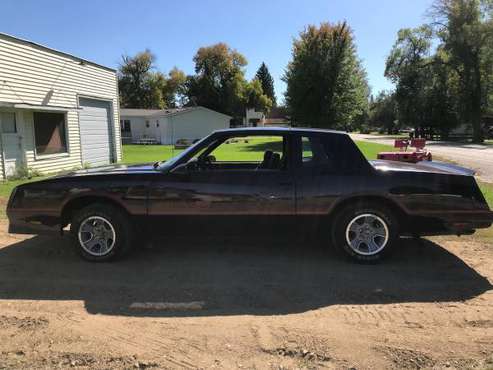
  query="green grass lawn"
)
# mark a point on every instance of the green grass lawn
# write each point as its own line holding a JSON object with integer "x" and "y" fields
{"x": 487, "y": 190}
{"x": 7, "y": 186}
{"x": 370, "y": 150}
{"x": 147, "y": 153}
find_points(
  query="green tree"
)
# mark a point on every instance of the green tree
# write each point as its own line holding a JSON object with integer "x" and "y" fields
{"x": 383, "y": 112}
{"x": 442, "y": 97}
{"x": 139, "y": 85}
{"x": 174, "y": 92}
{"x": 254, "y": 97}
{"x": 219, "y": 82}
{"x": 326, "y": 84}
{"x": 142, "y": 86}
{"x": 426, "y": 87}
{"x": 407, "y": 67}
{"x": 267, "y": 82}
{"x": 466, "y": 30}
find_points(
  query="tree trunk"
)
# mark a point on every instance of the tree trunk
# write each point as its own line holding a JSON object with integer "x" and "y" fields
{"x": 477, "y": 130}
{"x": 476, "y": 113}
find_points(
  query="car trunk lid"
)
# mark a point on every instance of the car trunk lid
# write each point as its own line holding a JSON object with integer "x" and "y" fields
{"x": 423, "y": 166}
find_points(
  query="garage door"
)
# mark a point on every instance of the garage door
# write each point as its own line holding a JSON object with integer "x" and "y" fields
{"x": 95, "y": 133}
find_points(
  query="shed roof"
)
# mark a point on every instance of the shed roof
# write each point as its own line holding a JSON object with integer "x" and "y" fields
{"x": 134, "y": 112}
{"x": 40, "y": 46}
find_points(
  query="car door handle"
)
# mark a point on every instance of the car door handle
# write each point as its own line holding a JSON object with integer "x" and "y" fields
{"x": 287, "y": 183}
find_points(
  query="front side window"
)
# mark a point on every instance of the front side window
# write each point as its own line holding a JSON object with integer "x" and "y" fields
{"x": 49, "y": 133}
{"x": 245, "y": 152}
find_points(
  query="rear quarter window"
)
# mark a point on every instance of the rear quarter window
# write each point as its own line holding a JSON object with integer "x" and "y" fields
{"x": 334, "y": 153}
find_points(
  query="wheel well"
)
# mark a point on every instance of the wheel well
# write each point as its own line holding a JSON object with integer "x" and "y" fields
{"x": 380, "y": 201}
{"x": 79, "y": 203}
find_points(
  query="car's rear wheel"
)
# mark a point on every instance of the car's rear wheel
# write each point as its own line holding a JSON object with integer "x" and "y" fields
{"x": 365, "y": 232}
{"x": 101, "y": 233}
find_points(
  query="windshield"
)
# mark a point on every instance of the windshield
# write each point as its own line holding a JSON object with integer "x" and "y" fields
{"x": 166, "y": 165}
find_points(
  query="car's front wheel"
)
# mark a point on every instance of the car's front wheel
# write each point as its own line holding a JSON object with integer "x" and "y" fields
{"x": 365, "y": 232}
{"x": 101, "y": 233}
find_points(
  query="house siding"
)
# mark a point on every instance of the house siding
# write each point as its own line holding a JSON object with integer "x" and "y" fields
{"x": 193, "y": 125}
{"x": 27, "y": 75}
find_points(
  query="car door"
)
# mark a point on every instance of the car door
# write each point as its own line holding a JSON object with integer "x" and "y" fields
{"x": 223, "y": 189}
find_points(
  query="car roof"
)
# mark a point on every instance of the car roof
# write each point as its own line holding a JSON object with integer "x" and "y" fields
{"x": 277, "y": 130}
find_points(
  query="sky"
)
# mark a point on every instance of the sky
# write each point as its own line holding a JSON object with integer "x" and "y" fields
{"x": 262, "y": 30}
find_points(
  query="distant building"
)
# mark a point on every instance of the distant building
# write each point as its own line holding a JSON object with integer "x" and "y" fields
{"x": 167, "y": 126}
{"x": 276, "y": 117}
{"x": 253, "y": 118}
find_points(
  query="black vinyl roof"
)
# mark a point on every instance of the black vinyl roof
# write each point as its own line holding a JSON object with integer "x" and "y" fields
{"x": 277, "y": 130}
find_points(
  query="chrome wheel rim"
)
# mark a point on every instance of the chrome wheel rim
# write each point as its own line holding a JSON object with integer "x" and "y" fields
{"x": 96, "y": 236}
{"x": 367, "y": 234}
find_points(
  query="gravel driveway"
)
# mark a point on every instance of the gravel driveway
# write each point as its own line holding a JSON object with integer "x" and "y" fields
{"x": 475, "y": 156}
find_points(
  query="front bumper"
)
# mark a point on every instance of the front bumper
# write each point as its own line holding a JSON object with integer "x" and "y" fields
{"x": 27, "y": 223}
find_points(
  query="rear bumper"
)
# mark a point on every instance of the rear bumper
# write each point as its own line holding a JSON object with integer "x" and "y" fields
{"x": 451, "y": 223}
{"x": 480, "y": 220}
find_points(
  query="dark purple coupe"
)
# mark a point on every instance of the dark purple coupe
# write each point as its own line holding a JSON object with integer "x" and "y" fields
{"x": 301, "y": 176}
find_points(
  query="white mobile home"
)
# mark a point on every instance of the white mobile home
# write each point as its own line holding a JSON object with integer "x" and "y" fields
{"x": 57, "y": 111}
{"x": 167, "y": 126}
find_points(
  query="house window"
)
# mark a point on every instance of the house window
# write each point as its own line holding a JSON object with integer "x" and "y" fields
{"x": 125, "y": 125}
{"x": 49, "y": 133}
{"x": 8, "y": 123}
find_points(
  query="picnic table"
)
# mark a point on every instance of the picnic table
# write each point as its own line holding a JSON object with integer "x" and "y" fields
{"x": 146, "y": 141}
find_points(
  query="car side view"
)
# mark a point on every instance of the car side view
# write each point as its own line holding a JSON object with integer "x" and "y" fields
{"x": 362, "y": 206}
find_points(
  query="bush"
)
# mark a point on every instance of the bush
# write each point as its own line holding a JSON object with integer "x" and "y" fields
{"x": 24, "y": 173}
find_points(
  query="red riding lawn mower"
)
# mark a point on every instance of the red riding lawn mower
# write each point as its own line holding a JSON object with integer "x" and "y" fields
{"x": 418, "y": 155}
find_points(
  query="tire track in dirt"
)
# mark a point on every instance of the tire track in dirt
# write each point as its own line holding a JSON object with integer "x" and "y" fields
{"x": 149, "y": 341}
{"x": 411, "y": 316}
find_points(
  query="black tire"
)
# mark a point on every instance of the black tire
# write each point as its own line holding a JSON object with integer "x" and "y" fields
{"x": 353, "y": 214}
{"x": 120, "y": 227}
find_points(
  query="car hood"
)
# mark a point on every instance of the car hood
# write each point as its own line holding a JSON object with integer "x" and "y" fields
{"x": 112, "y": 169}
{"x": 423, "y": 166}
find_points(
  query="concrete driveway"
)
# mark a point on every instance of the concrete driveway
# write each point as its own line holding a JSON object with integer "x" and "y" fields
{"x": 478, "y": 157}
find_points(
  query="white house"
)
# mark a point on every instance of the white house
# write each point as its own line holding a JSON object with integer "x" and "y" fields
{"x": 276, "y": 117}
{"x": 57, "y": 111}
{"x": 167, "y": 126}
{"x": 253, "y": 118}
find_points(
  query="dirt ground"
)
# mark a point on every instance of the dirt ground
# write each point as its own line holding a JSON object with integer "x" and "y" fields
{"x": 231, "y": 302}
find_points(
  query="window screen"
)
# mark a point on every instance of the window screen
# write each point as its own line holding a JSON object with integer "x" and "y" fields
{"x": 8, "y": 122}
